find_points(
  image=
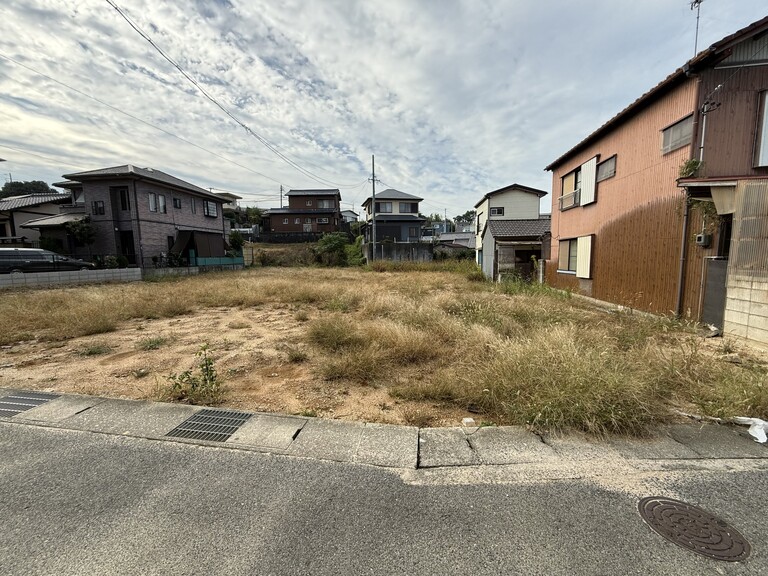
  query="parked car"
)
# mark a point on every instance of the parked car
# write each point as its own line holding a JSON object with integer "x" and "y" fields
{"x": 15, "y": 260}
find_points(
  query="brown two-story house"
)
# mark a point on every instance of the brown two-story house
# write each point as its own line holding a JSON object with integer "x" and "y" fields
{"x": 665, "y": 207}
{"x": 309, "y": 212}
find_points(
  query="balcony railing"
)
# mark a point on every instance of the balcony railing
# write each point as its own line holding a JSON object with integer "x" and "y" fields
{"x": 570, "y": 200}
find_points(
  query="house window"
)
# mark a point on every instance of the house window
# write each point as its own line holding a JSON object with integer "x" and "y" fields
{"x": 161, "y": 204}
{"x": 325, "y": 203}
{"x": 193, "y": 205}
{"x": 307, "y": 220}
{"x": 210, "y": 209}
{"x": 297, "y": 220}
{"x": 322, "y": 220}
{"x": 570, "y": 194}
{"x": 152, "y": 202}
{"x": 678, "y": 135}
{"x": 309, "y": 202}
{"x": 97, "y": 207}
{"x": 285, "y": 220}
{"x": 606, "y": 169}
{"x": 384, "y": 207}
{"x": 125, "y": 199}
{"x": 497, "y": 211}
{"x": 761, "y": 150}
{"x": 413, "y": 232}
{"x": 171, "y": 241}
{"x": 567, "y": 255}
{"x": 575, "y": 256}
{"x": 409, "y": 208}
{"x": 177, "y": 203}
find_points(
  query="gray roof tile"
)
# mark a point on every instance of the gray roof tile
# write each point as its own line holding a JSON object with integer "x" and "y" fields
{"x": 519, "y": 228}
{"x": 16, "y": 202}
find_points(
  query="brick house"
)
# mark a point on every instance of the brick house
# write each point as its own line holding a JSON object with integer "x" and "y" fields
{"x": 138, "y": 213}
{"x": 309, "y": 212}
{"x": 663, "y": 208}
{"x": 16, "y": 211}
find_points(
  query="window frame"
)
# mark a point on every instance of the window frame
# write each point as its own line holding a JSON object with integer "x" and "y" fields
{"x": 667, "y": 147}
{"x": 572, "y": 258}
{"x": 210, "y": 209}
{"x": 177, "y": 203}
{"x": 125, "y": 198}
{"x": 161, "y": 206}
{"x": 409, "y": 207}
{"x": 325, "y": 204}
{"x": 193, "y": 204}
{"x": 598, "y": 176}
{"x": 297, "y": 220}
{"x": 380, "y": 207}
{"x": 497, "y": 211}
{"x": 309, "y": 203}
{"x": 322, "y": 220}
{"x": 285, "y": 220}
{"x": 760, "y": 159}
{"x": 97, "y": 208}
{"x": 152, "y": 202}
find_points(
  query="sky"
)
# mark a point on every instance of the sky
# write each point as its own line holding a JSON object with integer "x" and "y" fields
{"x": 454, "y": 98}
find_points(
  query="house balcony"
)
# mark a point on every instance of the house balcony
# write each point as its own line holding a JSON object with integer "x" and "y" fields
{"x": 570, "y": 200}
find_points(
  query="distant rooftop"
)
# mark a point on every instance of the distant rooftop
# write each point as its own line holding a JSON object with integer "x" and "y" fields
{"x": 317, "y": 192}
{"x": 128, "y": 170}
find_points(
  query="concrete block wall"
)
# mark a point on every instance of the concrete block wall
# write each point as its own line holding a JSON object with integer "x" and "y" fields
{"x": 746, "y": 309}
{"x": 73, "y": 277}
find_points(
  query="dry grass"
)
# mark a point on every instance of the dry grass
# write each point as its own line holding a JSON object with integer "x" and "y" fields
{"x": 434, "y": 336}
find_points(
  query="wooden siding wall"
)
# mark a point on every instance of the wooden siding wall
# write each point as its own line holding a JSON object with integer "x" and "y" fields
{"x": 637, "y": 217}
{"x": 731, "y": 129}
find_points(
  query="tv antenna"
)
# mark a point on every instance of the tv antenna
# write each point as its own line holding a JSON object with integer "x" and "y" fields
{"x": 696, "y": 5}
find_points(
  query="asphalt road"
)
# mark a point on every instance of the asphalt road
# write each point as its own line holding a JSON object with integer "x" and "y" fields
{"x": 74, "y": 502}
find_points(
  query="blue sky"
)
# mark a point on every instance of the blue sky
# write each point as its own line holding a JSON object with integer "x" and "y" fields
{"x": 455, "y": 98}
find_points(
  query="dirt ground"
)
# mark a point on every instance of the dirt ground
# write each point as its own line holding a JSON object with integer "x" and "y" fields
{"x": 251, "y": 352}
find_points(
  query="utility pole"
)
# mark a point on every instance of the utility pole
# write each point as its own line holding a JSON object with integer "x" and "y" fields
{"x": 281, "y": 195}
{"x": 373, "y": 209}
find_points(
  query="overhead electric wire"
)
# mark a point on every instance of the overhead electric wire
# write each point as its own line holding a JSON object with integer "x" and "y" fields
{"x": 132, "y": 116}
{"x": 214, "y": 101}
{"x": 41, "y": 156}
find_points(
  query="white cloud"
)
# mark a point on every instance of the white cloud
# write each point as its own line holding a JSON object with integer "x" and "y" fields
{"x": 454, "y": 98}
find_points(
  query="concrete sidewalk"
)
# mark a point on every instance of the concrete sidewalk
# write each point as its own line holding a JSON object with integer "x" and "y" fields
{"x": 675, "y": 447}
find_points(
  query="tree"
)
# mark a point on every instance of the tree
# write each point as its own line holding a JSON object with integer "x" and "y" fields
{"x": 236, "y": 241}
{"x": 253, "y": 215}
{"x": 23, "y": 188}
{"x": 82, "y": 232}
{"x": 331, "y": 249}
{"x": 467, "y": 218}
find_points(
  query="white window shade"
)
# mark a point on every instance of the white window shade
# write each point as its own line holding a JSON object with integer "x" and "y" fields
{"x": 588, "y": 181}
{"x": 584, "y": 258}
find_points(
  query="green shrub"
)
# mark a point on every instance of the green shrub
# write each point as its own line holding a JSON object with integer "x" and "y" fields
{"x": 203, "y": 387}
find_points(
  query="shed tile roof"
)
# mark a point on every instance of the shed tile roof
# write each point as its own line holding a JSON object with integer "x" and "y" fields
{"x": 519, "y": 228}
{"x": 128, "y": 170}
{"x": 16, "y": 202}
{"x": 54, "y": 221}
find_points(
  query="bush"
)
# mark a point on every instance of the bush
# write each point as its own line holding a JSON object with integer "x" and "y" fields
{"x": 236, "y": 241}
{"x": 331, "y": 249}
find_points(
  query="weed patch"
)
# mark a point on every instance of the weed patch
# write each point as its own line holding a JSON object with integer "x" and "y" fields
{"x": 152, "y": 343}
{"x": 202, "y": 386}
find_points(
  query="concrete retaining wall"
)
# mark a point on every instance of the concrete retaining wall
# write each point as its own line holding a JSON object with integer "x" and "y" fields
{"x": 746, "y": 309}
{"x": 73, "y": 277}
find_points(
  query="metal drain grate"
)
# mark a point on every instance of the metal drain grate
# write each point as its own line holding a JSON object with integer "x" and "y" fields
{"x": 211, "y": 425}
{"x": 694, "y": 529}
{"x": 22, "y": 401}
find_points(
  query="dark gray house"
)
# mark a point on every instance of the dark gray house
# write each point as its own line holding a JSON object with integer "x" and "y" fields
{"x": 397, "y": 217}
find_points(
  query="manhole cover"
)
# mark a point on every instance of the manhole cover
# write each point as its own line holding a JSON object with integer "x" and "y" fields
{"x": 694, "y": 529}
{"x": 211, "y": 425}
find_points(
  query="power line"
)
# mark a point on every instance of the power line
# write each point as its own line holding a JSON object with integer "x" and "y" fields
{"x": 116, "y": 109}
{"x": 214, "y": 101}
{"x": 41, "y": 156}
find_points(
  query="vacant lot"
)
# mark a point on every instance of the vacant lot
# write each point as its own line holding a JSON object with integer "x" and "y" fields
{"x": 426, "y": 346}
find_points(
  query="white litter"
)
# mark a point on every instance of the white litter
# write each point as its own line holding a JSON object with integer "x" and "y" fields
{"x": 467, "y": 421}
{"x": 757, "y": 428}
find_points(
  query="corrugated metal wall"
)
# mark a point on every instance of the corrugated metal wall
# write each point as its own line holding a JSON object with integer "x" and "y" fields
{"x": 750, "y": 230}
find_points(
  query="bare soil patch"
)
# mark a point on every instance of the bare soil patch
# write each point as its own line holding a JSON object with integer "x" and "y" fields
{"x": 252, "y": 359}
